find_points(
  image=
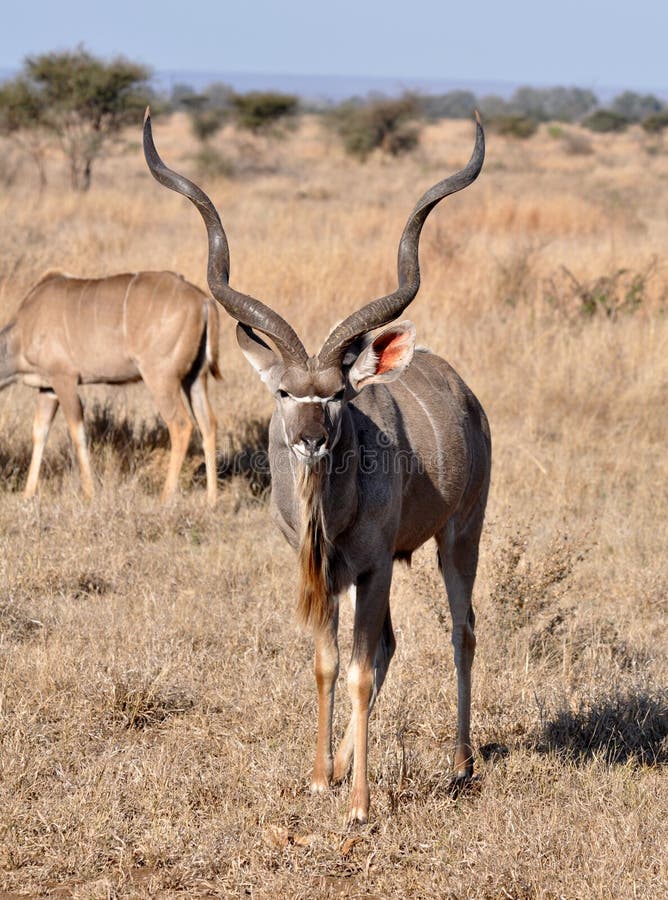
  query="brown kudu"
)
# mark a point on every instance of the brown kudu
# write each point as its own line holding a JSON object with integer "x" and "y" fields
{"x": 374, "y": 448}
{"x": 153, "y": 327}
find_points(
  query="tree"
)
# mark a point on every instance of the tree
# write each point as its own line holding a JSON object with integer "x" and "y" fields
{"x": 83, "y": 101}
{"x": 453, "y": 105}
{"x": 492, "y": 105}
{"x": 636, "y": 107}
{"x": 557, "y": 104}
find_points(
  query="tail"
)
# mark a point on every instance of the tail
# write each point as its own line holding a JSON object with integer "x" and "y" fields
{"x": 212, "y": 337}
{"x": 8, "y": 348}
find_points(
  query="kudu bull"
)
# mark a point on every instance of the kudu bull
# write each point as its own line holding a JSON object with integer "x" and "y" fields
{"x": 374, "y": 449}
{"x": 153, "y": 327}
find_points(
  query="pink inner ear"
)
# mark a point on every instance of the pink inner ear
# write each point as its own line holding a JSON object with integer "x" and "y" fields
{"x": 390, "y": 348}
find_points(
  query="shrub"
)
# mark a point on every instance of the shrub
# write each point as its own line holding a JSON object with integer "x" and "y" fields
{"x": 208, "y": 111}
{"x": 575, "y": 143}
{"x": 514, "y": 126}
{"x": 206, "y": 122}
{"x": 606, "y": 121}
{"x": 262, "y": 111}
{"x": 656, "y": 123}
{"x": 211, "y": 163}
{"x": 382, "y": 123}
{"x": 622, "y": 292}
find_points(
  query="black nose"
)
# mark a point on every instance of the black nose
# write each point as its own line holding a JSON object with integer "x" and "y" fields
{"x": 313, "y": 444}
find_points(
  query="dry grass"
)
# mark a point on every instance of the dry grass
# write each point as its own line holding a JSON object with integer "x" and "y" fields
{"x": 156, "y": 698}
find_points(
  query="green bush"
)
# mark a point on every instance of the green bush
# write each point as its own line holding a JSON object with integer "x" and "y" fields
{"x": 606, "y": 121}
{"x": 573, "y": 141}
{"x": 211, "y": 163}
{"x": 514, "y": 126}
{"x": 208, "y": 111}
{"x": 656, "y": 123}
{"x": 264, "y": 111}
{"x": 206, "y": 122}
{"x": 382, "y": 123}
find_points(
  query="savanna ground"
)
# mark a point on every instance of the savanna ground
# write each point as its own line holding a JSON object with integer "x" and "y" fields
{"x": 157, "y": 704}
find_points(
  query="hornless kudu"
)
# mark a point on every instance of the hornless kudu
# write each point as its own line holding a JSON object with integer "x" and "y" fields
{"x": 153, "y": 327}
{"x": 374, "y": 448}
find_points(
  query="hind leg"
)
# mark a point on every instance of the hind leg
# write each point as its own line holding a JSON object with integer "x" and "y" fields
{"x": 167, "y": 392}
{"x": 458, "y": 560}
{"x": 206, "y": 421}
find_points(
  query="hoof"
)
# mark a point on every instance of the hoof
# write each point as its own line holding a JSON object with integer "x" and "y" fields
{"x": 461, "y": 784}
{"x": 357, "y": 816}
{"x": 321, "y": 780}
{"x": 341, "y": 770}
{"x": 321, "y": 784}
{"x": 359, "y": 807}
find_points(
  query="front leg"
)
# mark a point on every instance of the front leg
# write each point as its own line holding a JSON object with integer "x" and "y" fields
{"x": 384, "y": 653}
{"x": 372, "y": 605}
{"x": 65, "y": 387}
{"x": 47, "y": 406}
{"x": 326, "y": 673}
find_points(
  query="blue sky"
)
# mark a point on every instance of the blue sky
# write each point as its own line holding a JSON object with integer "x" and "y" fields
{"x": 588, "y": 43}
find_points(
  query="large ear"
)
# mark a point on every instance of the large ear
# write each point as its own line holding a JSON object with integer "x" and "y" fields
{"x": 385, "y": 357}
{"x": 262, "y": 358}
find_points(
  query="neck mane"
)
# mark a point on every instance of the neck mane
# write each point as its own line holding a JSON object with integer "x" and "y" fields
{"x": 314, "y": 607}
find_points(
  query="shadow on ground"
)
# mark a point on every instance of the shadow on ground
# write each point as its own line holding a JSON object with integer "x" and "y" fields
{"x": 630, "y": 726}
{"x": 132, "y": 443}
{"x": 246, "y": 456}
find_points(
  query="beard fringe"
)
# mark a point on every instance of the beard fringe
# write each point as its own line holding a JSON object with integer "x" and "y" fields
{"x": 314, "y": 607}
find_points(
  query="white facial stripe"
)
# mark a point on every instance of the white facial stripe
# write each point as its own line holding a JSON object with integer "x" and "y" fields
{"x": 304, "y": 454}
{"x": 311, "y": 399}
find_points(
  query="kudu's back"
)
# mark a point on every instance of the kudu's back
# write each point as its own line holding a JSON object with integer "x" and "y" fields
{"x": 108, "y": 329}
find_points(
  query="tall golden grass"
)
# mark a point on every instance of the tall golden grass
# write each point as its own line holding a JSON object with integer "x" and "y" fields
{"x": 157, "y": 705}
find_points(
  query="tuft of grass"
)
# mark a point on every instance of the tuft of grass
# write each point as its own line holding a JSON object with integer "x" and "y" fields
{"x": 141, "y": 700}
{"x": 621, "y": 292}
{"x": 524, "y": 583}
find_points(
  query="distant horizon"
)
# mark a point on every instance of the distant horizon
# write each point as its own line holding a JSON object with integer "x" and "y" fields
{"x": 335, "y": 87}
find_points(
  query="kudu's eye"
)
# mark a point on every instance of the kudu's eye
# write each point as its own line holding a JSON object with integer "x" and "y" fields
{"x": 339, "y": 395}
{"x": 282, "y": 394}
